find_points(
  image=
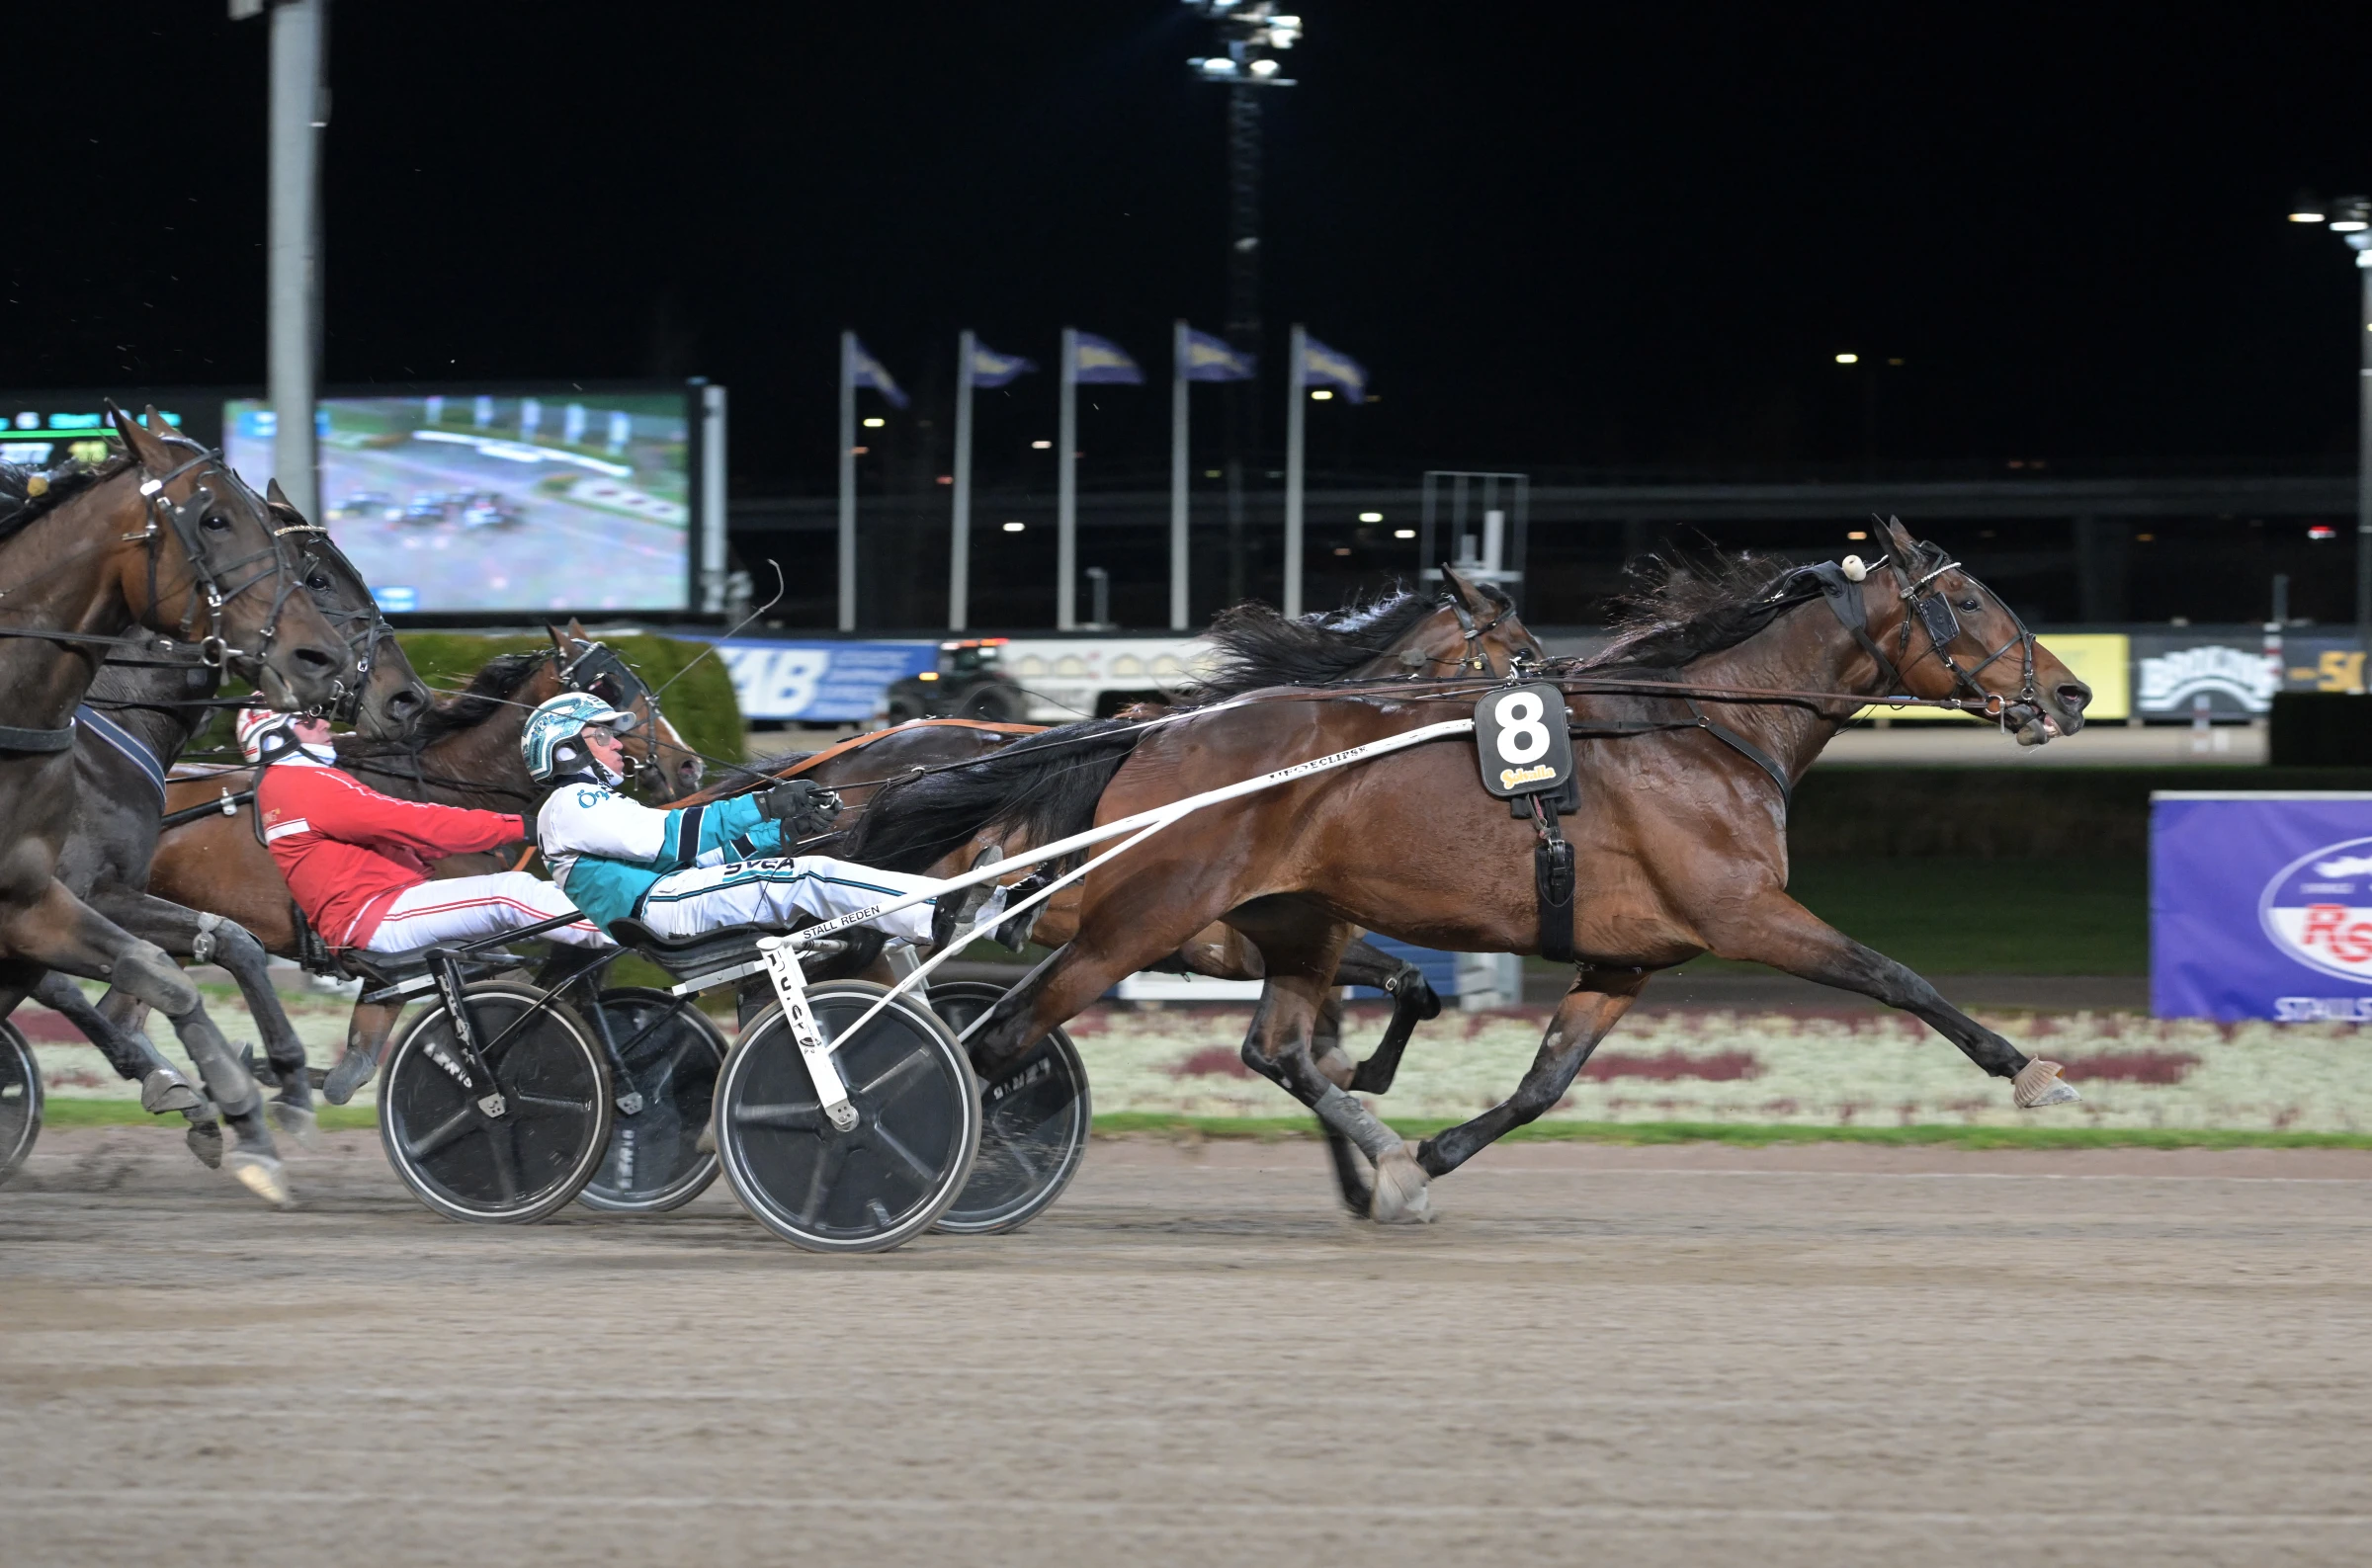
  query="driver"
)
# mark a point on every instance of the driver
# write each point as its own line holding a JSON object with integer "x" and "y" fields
{"x": 699, "y": 867}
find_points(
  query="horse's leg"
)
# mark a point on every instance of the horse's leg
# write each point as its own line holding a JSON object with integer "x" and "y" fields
{"x": 1597, "y": 1003}
{"x": 181, "y": 933}
{"x": 1412, "y": 1002}
{"x": 367, "y": 1034}
{"x": 162, "y": 1087}
{"x": 1777, "y": 931}
{"x": 61, "y": 931}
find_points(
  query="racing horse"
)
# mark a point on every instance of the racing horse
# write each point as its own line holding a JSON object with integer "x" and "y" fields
{"x": 164, "y": 537}
{"x": 1469, "y": 625}
{"x": 464, "y": 752}
{"x": 139, "y": 715}
{"x": 1696, "y": 722}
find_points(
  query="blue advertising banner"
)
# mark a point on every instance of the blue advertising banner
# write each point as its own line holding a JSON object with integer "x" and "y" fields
{"x": 818, "y": 682}
{"x": 2260, "y": 906}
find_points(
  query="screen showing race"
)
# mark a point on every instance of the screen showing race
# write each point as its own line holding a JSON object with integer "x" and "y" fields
{"x": 565, "y": 501}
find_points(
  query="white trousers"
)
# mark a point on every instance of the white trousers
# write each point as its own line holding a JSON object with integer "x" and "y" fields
{"x": 775, "y": 892}
{"x": 464, "y": 908}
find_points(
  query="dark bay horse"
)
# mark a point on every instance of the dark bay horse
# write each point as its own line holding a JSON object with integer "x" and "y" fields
{"x": 465, "y": 752}
{"x": 1680, "y": 842}
{"x": 1469, "y": 625}
{"x": 167, "y": 537}
{"x": 136, "y": 720}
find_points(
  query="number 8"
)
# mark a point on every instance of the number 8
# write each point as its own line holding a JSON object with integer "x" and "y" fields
{"x": 1522, "y": 737}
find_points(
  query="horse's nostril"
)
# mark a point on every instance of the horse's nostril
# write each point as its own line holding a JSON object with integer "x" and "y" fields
{"x": 2074, "y": 697}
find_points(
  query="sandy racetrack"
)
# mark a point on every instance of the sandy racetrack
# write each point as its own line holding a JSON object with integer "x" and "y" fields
{"x": 1818, "y": 1354}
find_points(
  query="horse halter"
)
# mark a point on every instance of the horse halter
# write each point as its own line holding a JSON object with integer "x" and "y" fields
{"x": 363, "y": 640}
{"x": 185, "y": 519}
{"x": 1475, "y": 657}
{"x": 1926, "y": 603}
{"x": 600, "y": 672}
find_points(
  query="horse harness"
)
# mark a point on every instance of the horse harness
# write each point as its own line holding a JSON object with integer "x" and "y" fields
{"x": 186, "y": 520}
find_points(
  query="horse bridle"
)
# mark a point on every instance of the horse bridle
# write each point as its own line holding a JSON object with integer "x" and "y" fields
{"x": 1473, "y": 631}
{"x": 600, "y": 671}
{"x": 361, "y": 642}
{"x": 185, "y": 519}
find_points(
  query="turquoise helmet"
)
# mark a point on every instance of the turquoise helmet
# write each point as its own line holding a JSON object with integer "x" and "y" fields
{"x": 558, "y": 720}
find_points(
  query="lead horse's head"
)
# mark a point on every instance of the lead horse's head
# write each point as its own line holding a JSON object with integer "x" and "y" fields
{"x": 1937, "y": 633}
{"x": 388, "y": 699}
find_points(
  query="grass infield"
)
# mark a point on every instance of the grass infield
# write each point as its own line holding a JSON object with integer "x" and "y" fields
{"x": 127, "y": 1113}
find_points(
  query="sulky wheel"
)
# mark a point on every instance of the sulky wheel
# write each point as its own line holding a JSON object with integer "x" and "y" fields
{"x": 882, "y": 1182}
{"x": 460, "y": 1157}
{"x": 1035, "y": 1117}
{"x": 672, "y": 1055}
{"x": 20, "y": 1099}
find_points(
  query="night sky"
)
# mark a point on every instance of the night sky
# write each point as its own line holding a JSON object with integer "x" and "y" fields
{"x": 1558, "y": 235}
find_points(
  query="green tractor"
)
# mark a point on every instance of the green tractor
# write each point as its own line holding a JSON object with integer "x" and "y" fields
{"x": 970, "y": 683}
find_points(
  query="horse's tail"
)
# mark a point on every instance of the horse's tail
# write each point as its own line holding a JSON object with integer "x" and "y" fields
{"x": 1043, "y": 786}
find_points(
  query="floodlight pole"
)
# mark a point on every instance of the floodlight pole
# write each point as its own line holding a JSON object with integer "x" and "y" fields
{"x": 300, "y": 113}
{"x": 1066, "y": 490}
{"x": 959, "y": 541}
{"x": 712, "y": 500}
{"x": 1297, "y": 415}
{"x": 848, "y": 481}
{"x": 1179, "y": 607}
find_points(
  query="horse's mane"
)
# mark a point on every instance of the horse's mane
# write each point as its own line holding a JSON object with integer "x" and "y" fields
{"x": 489, "y": 693}
{"x": 1682, "y": 608}
{"x": 19, "y": 504}
{"x": 1259, "y": 646}
{"x": 1047, "y": 785}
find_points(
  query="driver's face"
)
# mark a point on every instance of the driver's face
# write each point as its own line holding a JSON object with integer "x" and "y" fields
{"x": 311, "y": 729}
{"x": 605, "y": 746}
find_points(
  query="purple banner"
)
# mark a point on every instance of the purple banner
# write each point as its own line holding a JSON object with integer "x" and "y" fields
{"x": 2260, "y": 906}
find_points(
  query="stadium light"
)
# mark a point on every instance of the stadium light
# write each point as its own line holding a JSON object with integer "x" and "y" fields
{"x": 874, "y": 422}
{"x": 1370, "y": 516}
{"x": 2350, "y": 217}
{"x": 1848, "y": 359}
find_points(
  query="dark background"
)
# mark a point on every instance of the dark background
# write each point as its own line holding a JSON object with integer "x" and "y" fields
{"x": 1627, "y": 240}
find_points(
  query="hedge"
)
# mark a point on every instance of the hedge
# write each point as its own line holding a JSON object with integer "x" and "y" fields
{"x": 701, "y": 705}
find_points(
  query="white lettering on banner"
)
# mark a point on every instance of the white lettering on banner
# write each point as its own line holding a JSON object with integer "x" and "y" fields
{"x": 775, "y": 683}
{"x": 2168, "y": 681}
{"x": 2323, "y": 1010}
{"x": 2345, "y": 865}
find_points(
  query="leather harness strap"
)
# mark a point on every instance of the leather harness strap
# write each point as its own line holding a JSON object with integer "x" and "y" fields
{"x": 35, "y": 740}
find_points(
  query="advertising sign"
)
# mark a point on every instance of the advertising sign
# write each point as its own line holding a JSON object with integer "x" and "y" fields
{"x": 2171, "y": 672}
{"x": 818, "y": 682}
{"x": 2261, "y": 905}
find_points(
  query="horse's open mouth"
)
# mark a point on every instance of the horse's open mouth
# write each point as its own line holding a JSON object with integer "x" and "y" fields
{"x": 2031, "y": 725}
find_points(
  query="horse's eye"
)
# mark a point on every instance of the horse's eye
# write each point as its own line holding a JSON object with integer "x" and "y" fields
{"x": 1971, "y": 603}
{"x": 318, "y": 583}
{"x": 215, "y": 523}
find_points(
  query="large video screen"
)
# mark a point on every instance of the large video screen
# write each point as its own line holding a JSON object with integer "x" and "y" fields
{"x": 470, "y": 502}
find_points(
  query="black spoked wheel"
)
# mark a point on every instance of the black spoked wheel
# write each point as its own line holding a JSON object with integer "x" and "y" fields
{"x": 20, "y": 1099}
{"x": 510, "y": 1162}
{"x": 672, "y": 1053}
{"x": 878, "y": 1184}
{"x": 1035, "y": 1117}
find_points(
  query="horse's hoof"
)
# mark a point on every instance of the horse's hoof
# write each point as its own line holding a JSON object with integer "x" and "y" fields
{"x": 205, "y": 1139}
{"x": 165, "y": 1090}
{"x": 262, "y": 1175}
{"x": 353, "y": 1070}
{"x": 298, "y": 1122}
{"x": 2038, "y": 1084}
{"x": 1403, "y": 1196}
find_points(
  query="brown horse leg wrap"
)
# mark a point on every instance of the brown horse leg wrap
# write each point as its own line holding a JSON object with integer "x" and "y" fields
{"x": 1553, "y": 883}
{"x": 1356, "y": 1122}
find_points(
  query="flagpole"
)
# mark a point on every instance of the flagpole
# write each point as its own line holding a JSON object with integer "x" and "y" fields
{"x": 959, "y": 544}
{"x": 1066, "y": 491}
{"x": 848, "y": 481}
{"x": 1177, "y": 477}
{"x": 1296, "y": 412}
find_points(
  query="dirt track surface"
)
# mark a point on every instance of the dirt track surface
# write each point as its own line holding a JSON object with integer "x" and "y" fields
{"x": 1685, "y": 1356}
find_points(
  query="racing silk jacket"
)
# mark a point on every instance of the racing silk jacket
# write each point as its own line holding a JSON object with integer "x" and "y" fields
{"x": 606, "y": 851}
{"x": 346, "y": 850}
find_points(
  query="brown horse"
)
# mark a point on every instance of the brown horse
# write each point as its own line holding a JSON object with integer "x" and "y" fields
{"x": 1680, "y": 836}
{"x": 465, "y": 752}
{"x": 1470, "y": 625}
{"x": 167, "y": 537}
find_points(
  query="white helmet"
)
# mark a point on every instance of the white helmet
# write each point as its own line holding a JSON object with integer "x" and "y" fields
{"x": 558, "y": 720}
{"x": 257, "y": 728}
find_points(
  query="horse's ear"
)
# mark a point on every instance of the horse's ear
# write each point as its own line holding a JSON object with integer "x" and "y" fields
{"x": 560, "y": 638}
{"x": 1907, "y": 546}
{"x": 146, "y": 447}
{"x": 277, "y": 496}
{"x": 576, "y": 630}
{"x": 1466, "y": 591}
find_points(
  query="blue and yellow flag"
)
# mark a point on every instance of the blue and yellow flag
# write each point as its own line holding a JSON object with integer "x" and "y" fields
{"x": 1102, "y": 359}
{"x": 1324, "y": 366}
{"x": 1204, "y": 357}
{"x": 992, "y": 370}
{"x": 866, "y": 370}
